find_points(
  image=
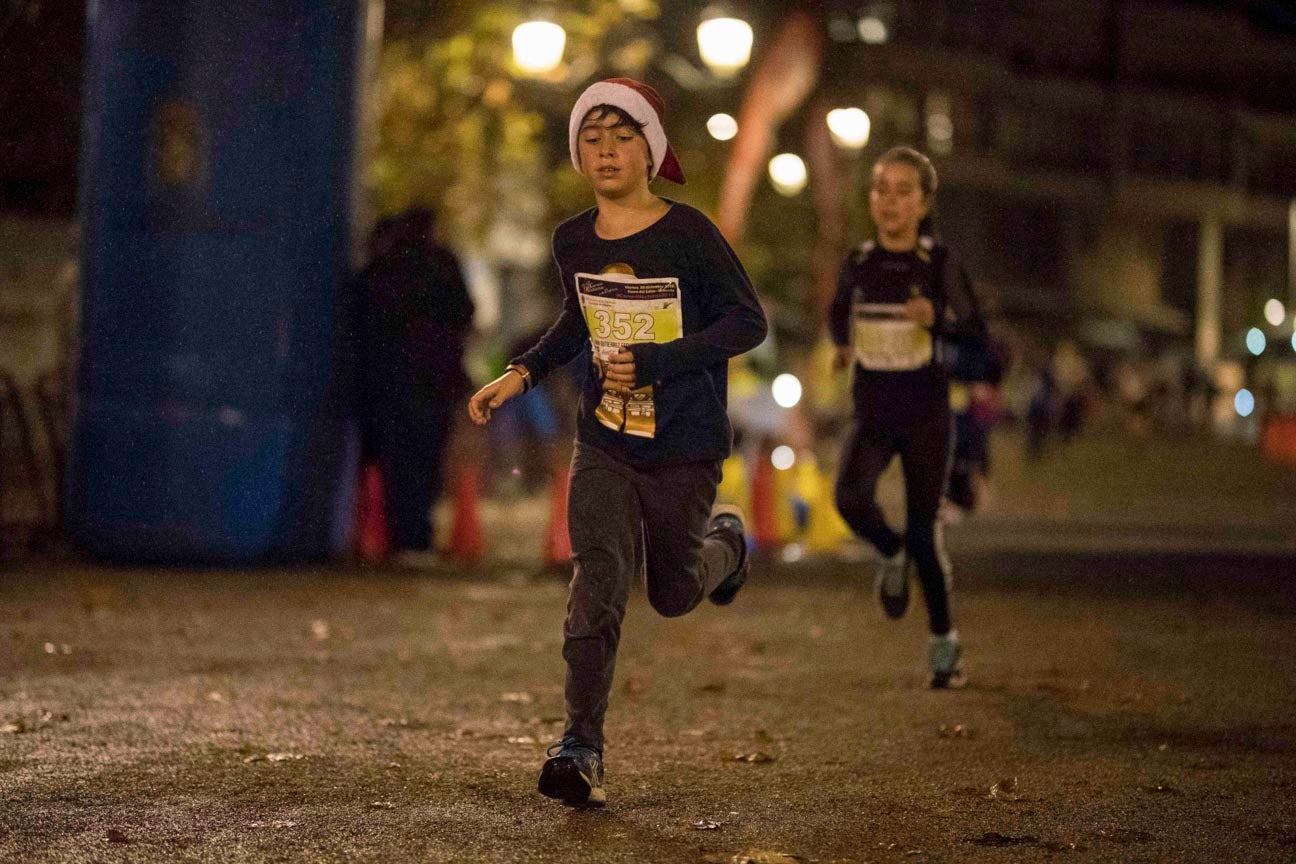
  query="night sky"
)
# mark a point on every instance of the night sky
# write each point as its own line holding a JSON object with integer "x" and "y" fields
{"x": 41, "y": 47}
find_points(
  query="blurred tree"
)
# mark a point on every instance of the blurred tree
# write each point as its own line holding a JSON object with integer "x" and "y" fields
{"x": 458, "y": 122}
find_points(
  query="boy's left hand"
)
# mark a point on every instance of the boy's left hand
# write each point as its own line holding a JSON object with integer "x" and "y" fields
{"x": 621, "y": 370}
{"x": 920, "y": 310}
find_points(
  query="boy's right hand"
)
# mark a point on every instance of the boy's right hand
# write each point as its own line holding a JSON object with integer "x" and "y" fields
{"x": 493, "y": 395}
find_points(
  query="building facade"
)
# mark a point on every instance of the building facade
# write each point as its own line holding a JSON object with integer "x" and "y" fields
{"x": 1099, "y": 159}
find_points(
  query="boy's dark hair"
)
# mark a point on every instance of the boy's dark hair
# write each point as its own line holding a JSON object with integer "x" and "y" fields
{"x": 599, "y": 112}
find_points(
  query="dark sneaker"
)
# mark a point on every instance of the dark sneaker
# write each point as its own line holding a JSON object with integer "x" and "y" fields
{"x": 892, "y": 584}
{"x": 946, "y": 656}
{"x": 728, "y": 518}
{"x": 573, "y": 774}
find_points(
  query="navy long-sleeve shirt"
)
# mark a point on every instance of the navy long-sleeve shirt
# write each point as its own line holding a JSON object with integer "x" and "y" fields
{"x": 721, "y": 318}
{"x": 873, "y": 275}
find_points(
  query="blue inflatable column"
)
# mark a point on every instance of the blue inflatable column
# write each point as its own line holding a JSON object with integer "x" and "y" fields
{"x": 212, "y": 420}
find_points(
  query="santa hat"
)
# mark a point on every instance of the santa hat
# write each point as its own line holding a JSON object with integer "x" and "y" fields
{"x": 642, "y": 104}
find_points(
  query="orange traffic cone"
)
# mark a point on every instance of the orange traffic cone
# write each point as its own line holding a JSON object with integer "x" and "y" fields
{"x": 557, "y": 551}
{"x": 372, "y": 540}
{"x": 466, "y": 534}
{"x": 764, "y": 522}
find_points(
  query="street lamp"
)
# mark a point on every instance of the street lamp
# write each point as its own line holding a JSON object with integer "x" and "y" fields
{"x": 783, "y": 457}
{"x": 1274, "y": 311}
{"x": 538, "y": 46}
{"x": 849, "y": 127}
{"x": 788, "y": 174}
{"x": 722, "y": 127}
{"x": 1256, "y": 341}
{"x": 874, "y": 24}
{"x": 1244, "y": 402}
{"x": 725, "y": 44}
{"x": 786, "y": 390}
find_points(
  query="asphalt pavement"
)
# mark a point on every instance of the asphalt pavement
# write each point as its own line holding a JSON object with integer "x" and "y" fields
{"x": 1127, "y": 702}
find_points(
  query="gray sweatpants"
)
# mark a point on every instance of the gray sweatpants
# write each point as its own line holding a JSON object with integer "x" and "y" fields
{"x": 624, "y": 521}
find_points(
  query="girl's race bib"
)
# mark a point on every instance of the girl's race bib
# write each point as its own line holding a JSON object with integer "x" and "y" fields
{"x": 886, "y": 341}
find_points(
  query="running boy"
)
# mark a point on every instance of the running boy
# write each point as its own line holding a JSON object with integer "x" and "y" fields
{"x": 656, "y": 296}
{"x": 899, "y": 299}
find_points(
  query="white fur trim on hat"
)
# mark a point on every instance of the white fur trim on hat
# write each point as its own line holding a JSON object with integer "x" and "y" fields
{"x": 628, "y": 100}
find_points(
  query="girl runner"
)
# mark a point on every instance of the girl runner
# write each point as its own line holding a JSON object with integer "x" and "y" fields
{"x": 900, "y": 298}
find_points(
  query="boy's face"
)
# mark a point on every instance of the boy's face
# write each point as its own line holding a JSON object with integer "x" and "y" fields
{"x": 613, "y": 157}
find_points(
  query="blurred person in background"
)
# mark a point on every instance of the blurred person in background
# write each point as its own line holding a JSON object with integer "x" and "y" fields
{"x": 1041, "y": 411}
{"x": 975, "y": 376}
{"x": 415, "y": 317}
{"x": 1071, "y": 374}
{"x": 1132, "y": 391}
{"x": 902, "y": 300}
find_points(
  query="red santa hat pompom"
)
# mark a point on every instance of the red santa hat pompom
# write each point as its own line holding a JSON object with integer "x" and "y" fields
{"x": 639, "y": 102}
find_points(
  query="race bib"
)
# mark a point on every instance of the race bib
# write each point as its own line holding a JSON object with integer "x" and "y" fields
{"x": 619, "y": 311}
{"x": 886, "y": 341}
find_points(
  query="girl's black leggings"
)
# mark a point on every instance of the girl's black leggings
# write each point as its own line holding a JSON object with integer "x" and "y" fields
{"x": 923, "y": 445}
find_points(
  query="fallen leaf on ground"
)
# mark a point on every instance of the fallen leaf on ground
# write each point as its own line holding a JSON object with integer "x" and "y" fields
{"x": 383, "y": 805}
{"x": 706, "y": 825}
{"x": 757, "y": 757}
{"x": 766, "y": 856}
{"x": 517, "y": 698}
{"x": 274, "y": 757}
{"x": 957, "y": 730}
{"x": 1005, "y": 790}
{"x": 13, "y": 727}
{"x": 1162, "y": 789}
